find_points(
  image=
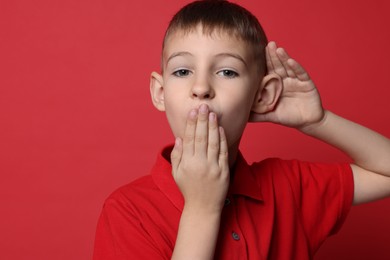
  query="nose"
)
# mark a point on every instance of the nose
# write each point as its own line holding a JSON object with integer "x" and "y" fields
{"x": 202, "y": 89}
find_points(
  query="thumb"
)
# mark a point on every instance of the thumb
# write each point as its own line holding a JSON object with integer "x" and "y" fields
{"x": 176, "y": 154}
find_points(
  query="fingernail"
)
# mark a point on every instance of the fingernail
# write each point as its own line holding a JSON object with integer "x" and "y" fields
{"x": 193, "y": 113}
{"x": 212, "y": 116}
{"x": 177, "y": 141}
{"x": 203, "y": 109}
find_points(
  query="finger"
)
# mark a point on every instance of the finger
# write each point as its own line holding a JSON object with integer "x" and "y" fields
{"x": 176, "y": 154}
{"x": 284, "y": 57}
{"x": 299, "y": 71}
{"x": 213, "y": 138}
{"x": 270, "y": 67}
{"x": 201, "y": 133}
{"x": 189, "y": 134}
{"x": 276, "y": 63}
{"x": 223, "y": 158}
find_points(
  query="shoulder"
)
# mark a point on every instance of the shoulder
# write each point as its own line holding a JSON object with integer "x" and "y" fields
{"x": 132, "y": 223}
{"x": 298, "y": 169}
{"x": 304, "y": 177}
{"x": 137, "y": 185}
{"x": 318, "y": 194}
{"x": 131, "y": 193}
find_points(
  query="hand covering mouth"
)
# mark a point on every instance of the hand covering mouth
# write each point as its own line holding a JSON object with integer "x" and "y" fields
{"x": 219, "y": 116}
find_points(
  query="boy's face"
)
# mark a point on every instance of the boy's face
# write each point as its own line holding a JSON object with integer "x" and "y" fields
{"x": 216, "y": 70}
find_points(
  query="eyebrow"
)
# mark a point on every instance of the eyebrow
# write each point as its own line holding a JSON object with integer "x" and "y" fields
{"x": 233, "y": 55}
{"x": 224, "y": 54}
{"x": 180, "y": 53}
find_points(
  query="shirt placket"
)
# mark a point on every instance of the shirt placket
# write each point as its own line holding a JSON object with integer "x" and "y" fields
{"x": 233, "y": 244}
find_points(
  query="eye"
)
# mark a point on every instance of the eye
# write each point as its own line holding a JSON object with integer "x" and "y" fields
{"x": 181, "y": 73}
{"x": 228, "y": 73}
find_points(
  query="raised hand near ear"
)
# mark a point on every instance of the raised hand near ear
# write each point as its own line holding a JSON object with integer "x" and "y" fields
{"x": 299, "y": 104}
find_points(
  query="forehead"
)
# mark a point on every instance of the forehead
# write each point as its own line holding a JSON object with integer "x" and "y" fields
{"x": 199, "y": 42}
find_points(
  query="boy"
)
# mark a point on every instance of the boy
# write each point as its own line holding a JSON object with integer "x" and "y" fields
{"x": 202, "y": 200}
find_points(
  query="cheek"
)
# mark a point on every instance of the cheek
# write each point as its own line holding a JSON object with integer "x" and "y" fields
{"x": 176, "y": 115}
{"x": 234, "y": 127}
{"x": 234, "y": 120}
{"x": 174, "y": 121}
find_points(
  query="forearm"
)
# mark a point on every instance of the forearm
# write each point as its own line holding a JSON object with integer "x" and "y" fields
{"x": 197, "y": 235}
{"x": 368, "y": 149}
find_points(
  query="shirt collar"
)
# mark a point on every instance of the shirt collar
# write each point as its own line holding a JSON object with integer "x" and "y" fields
{"x": 243, "y": 184}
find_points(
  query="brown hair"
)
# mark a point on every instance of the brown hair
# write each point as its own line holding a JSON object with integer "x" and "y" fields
{"x": 225, "y": 16}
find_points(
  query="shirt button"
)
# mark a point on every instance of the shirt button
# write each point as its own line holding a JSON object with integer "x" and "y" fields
{"x": 235, "y": 236}
{"x": 227, "y": 201}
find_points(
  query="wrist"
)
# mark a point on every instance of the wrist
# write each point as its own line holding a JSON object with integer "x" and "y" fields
{"x": 201, "y": 212}
{"x": 197, "y": 234}
{"x": 312, "y": 128}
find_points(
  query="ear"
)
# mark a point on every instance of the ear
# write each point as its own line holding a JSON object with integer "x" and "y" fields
{"x": 157, "y": 90}
{"x": 268, "y": 94}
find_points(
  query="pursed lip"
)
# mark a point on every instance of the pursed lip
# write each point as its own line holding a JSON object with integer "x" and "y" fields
{"x": 219, "y": 116}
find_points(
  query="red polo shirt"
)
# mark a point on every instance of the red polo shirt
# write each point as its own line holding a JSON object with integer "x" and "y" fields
{"x": 275, "y": 209}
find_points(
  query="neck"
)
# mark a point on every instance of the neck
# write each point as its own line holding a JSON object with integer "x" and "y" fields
{"x": 233, "y": 152}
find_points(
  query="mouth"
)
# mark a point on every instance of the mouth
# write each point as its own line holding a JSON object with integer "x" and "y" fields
{"x": 219, "y": 116}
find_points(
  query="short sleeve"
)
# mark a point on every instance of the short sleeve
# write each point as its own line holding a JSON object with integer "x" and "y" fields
{"x": 323, "y": 194}
{"x": 120, "y": 235}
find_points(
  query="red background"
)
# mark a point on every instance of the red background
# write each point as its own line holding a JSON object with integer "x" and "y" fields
{"x": 76, "y": 119}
